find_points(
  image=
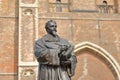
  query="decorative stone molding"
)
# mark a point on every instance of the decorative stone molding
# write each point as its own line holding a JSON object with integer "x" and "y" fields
{"x": 28, "y": 12}
{"x": 15, "y": 74}
{"x": 113, "y": 65}
{"x": 0, "y": 4}
{"x": 28, "y": 73}
{"x": 28, "y": 33}
{"x": 59, "y": 7}
{"x": 105, "y": 8}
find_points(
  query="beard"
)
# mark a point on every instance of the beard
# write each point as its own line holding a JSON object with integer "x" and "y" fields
{"x": 54, "y": 33}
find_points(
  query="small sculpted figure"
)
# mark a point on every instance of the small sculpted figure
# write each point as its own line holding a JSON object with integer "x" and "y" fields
{"x": 55, "y": 55}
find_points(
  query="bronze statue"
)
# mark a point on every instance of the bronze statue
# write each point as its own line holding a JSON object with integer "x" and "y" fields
{"x": 55, "y": 55}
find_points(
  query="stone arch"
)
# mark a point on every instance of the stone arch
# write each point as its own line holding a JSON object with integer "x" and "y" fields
{"x": 113, "y": 65}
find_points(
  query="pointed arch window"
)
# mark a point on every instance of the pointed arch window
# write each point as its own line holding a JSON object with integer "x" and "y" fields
{"x": 58, "y": 6}
{"x": 58, "y": 0}
{"x": 104, "y": 3}
{"x": 105, "y": 8}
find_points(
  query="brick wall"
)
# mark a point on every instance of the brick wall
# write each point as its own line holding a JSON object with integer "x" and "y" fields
{"x": 100, "y": 29}
{"x": 8, "y": 39}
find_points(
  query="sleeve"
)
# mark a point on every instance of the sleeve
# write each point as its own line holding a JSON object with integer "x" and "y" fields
{"x": 72, "y": 66}
{"x": 45, "y": 55}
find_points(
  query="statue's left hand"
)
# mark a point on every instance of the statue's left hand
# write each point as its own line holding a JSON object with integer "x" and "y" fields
{"x": 64, "y": 47}
{"x": 65, "y": 62}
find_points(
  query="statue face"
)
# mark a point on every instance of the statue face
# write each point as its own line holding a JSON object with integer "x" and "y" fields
{"x": 52, "y": 28}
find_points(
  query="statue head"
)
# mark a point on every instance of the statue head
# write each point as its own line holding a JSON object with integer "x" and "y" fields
{"x": 51, "y": 27}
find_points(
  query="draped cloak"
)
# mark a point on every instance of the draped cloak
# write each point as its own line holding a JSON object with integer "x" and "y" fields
{"x": 46, "y": 51}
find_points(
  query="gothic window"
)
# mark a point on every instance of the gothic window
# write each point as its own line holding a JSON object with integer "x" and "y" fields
{"x": 58, "y": 0}
{"x": 105, "y": 8}
{"x": 104, "y": 2}
{"x": 58, "y": 6}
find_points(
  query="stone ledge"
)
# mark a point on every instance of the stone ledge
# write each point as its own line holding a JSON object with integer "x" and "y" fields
{"x": 91, "y": 16}
{"x": 8, "y": 16}
{"x": 23, "y": 64}
{"x": 8, "y": 74}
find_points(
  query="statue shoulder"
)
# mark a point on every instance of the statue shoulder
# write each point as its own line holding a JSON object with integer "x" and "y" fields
{"x": 62, "y": 40}
{"x": 41, "y": 40}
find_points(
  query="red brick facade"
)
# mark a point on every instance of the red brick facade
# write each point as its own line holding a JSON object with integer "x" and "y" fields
{"x": 87, "y": 22}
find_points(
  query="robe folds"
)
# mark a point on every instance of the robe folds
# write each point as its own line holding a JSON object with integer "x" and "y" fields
{"x": 47, "y": 51}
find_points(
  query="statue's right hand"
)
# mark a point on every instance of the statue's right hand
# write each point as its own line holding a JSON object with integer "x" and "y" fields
{"x": 64, "y": 47}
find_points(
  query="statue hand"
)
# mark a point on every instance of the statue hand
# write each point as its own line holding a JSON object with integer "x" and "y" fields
{"x": 65, "y": 62}
{"x": 63, "y": 50}
{"x": 64, "y": 47}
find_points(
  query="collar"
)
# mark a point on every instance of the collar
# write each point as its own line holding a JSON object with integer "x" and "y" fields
{"x": 50, "y": 38}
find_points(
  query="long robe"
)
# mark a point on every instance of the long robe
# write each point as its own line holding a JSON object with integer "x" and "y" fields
{"x": 46, "y": 51}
